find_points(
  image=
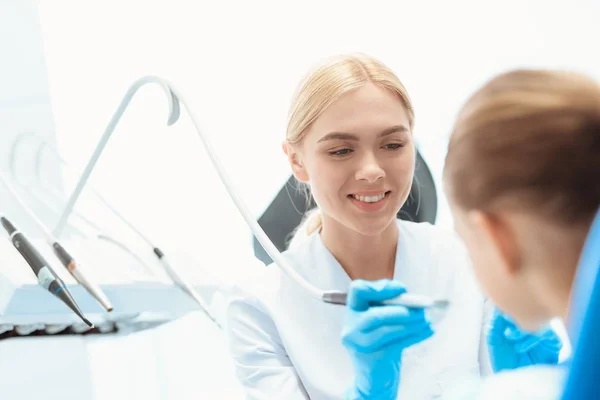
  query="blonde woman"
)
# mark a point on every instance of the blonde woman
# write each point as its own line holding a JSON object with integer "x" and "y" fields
{"x": 350, "y": 139}
{"x": 522, "y": 177}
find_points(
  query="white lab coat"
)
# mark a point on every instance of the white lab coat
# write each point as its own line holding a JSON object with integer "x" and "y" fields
{"x": 287, "y": 344}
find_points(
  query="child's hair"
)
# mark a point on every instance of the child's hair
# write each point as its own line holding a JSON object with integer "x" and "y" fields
{"x": 529, "y": 140}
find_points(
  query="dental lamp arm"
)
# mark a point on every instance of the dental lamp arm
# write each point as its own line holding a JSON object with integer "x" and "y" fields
{"x": 174, "y": 97}
{"x": 173, "y": 117}
{"x": 44, "y": 144}
{"x": 251, "y": 221}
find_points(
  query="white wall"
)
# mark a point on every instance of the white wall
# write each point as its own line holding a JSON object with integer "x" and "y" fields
{"x": 24, "y": 107}
{"x": 239, "y": 63}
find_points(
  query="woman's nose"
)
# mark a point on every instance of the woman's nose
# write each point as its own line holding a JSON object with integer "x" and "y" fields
{"x": 370, "y": 170}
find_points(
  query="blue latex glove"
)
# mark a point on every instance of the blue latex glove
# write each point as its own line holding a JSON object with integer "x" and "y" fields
{"x": 511, "y": 347}
{"x": 375, "y": 337}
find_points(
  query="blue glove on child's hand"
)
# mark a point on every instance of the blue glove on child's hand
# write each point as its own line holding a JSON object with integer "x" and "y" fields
{"x": 511, "y": 347}
{"x": 376, "y": 335}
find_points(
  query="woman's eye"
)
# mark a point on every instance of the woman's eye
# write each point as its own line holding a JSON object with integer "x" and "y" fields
{"x": 341, "y": 152}
{"x": 393, "y": 146}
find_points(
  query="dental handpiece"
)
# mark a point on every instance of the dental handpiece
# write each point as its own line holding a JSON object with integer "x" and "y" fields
{"x": 71, "y": 265}
{"x": 181, "y": 283}
{"x": 46, "y": 276}
{"x": 405, "y": 299}
{"x": 65, "y": 258}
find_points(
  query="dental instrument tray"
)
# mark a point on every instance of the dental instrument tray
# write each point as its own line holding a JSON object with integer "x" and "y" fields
{"x": 141, "y": 292}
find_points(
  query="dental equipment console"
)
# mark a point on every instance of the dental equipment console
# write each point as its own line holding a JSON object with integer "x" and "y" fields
{"x": 165, "y": 295}
{"x": 140, "y": 300}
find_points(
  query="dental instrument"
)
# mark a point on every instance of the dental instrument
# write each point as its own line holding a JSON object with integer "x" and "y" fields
{"x": 408, "y": 300}
{"x": 47, "y": 278}
{"x": 61, "y": 253}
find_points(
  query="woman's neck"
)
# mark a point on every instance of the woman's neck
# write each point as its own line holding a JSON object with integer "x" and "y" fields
{"x": 362, "y": 257}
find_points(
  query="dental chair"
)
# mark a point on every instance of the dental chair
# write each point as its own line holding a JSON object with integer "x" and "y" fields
{"x": 289, "y": 206}
{"x": 584, "y": 324}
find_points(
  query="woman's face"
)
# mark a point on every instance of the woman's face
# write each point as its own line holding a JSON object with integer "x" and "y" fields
{"x": 359, "y": 159}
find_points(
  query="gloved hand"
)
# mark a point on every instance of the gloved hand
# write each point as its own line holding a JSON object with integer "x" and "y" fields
{"x": 376, "y": 335}
{"x": 511, "y": 347}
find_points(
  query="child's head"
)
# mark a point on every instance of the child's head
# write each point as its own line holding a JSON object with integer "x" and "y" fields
{"x": 522, "y": 177}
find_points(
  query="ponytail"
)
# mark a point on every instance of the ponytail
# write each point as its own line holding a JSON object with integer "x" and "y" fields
{"x": 313, "y": 221}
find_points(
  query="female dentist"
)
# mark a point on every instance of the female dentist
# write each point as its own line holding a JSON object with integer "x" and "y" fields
{"x": 521, "y": 176}
{"x": 350, "y": 137}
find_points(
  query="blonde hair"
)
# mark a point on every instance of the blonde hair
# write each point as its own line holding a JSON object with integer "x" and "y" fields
{"x": 326, "y": 83}
{"x": 529, "y": 140}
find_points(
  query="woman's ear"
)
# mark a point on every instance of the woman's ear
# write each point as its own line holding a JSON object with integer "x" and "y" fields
{"x": 293, "y": 157}
{"x": 499, "y": 236}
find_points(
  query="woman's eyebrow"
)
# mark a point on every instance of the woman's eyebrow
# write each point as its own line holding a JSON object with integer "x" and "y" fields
{"x": 350, "y": 136}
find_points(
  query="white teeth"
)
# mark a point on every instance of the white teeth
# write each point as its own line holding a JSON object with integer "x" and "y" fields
{"x": 369, "y": 199}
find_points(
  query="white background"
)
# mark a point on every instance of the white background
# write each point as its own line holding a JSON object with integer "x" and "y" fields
{"x": 239, "y": 63}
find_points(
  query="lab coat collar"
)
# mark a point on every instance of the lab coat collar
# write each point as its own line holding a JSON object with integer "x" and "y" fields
{"x": 335, "y": 277}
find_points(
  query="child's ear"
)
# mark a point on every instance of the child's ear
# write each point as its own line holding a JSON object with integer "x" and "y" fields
{"x": 497, "y": 232}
